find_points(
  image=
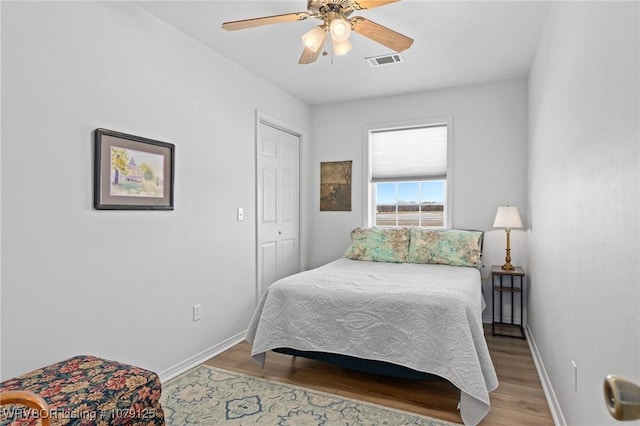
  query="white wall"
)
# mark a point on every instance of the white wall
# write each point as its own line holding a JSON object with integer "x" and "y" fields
{"x": 489, "y": 143}
{"x": 584, "y": 188}
{"x": 120, "y": 284}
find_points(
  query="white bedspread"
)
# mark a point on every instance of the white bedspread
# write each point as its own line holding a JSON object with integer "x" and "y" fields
{"x": 425, "y": 317}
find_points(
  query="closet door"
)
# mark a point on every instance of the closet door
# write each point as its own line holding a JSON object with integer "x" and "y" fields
{"x": 278, "y": 204}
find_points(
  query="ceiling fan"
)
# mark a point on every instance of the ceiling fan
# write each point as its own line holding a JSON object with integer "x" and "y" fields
{"x": 334, "y": 15}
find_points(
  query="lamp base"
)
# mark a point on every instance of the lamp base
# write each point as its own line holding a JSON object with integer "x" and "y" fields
{"x": 507, "y": 259}
{"x": 508, "y": 267}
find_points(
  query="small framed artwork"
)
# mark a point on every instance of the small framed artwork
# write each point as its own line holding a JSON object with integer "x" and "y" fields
{"x": 132, "y": 172}
{"x": 335, "y": 186}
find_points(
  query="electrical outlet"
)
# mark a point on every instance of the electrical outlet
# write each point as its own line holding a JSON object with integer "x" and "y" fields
{"x": 574, "y": 376}
{"x": 197, "y": 312}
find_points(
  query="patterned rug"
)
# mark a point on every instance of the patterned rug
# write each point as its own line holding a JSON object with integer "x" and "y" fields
{"x": 211, "y": 396}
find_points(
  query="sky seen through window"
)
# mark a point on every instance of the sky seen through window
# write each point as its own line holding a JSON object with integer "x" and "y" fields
{"x": 409, "y": 192}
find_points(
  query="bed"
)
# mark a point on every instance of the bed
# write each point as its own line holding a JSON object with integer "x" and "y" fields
{"x": 385, "y": 304}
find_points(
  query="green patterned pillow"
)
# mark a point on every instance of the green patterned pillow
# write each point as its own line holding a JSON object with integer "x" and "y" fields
{"x": 379, "y": 244}
{"x": 446, "y": 246}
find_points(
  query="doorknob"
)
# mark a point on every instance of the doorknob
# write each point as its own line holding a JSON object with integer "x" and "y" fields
{"x": 622, "y": 398}
{"x": 279, "y": 232}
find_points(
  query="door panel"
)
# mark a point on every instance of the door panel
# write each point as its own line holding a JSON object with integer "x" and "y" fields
{"x": 278, "y": 204}
{"x": 289, "y": 195}
{"x": 269, "y": 146}
{"x": 289, "y": 257}
{"x": 270, "y": 194}
{"x": 269, "y": 268}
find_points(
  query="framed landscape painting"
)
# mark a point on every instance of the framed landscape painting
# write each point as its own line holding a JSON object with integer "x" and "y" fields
{"x": 132, "y": 172}
{"x": 335, "y": 186}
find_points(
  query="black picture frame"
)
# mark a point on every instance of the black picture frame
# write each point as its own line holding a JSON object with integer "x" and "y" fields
{"x": 132, "y": 172}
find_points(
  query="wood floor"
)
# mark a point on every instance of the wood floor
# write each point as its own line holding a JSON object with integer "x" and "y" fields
{"x": 519, "y": 399}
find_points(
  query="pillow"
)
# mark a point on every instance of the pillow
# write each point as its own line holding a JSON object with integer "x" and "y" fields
{"x": 379, "y": 244}
{"x": 446, "y": 246}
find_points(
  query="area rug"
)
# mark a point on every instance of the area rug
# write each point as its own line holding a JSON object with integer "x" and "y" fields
{"x": 212, "y": 396}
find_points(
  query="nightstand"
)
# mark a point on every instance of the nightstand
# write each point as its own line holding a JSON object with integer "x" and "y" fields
{"x": 502, "y": 282}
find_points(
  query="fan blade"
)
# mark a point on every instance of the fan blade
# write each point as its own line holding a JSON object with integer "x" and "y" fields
{"x": 369, "y": 4}
{"x": 309, "y": 56}
{"x": 266, "y": 20}
{"x": 382, "y": 35}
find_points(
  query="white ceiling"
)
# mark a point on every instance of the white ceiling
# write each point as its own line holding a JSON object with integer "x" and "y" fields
{"x": 456, "y": 43}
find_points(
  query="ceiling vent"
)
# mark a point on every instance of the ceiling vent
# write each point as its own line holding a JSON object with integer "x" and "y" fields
{"x": 376, "y": 61}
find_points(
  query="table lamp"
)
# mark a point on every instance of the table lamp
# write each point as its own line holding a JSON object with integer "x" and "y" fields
{"x": 508, "y": 217}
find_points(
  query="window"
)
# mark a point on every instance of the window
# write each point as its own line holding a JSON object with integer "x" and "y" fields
{"x": 408, "y": 172}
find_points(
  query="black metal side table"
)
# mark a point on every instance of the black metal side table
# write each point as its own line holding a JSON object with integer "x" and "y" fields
{"x": 509, "y": 288}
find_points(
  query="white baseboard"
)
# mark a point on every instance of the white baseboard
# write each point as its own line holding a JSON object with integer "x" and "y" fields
{"x": 199, "y": 358}
{"x": 552, "y": 400}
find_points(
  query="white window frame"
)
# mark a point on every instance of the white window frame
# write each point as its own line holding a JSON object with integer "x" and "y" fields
{"x": 369, "y": 205}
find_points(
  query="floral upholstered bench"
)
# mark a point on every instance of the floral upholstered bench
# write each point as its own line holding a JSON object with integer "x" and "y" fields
{"x": 85, "y": 390}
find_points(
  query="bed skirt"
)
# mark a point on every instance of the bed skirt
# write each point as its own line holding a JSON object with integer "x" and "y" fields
{"x": 379, "y": 368}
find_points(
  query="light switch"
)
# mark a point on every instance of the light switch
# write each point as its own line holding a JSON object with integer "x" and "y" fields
{"x": 240, "y": 213}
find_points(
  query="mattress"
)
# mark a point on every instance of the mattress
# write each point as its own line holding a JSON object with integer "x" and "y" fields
{"x": 424, "y": 317}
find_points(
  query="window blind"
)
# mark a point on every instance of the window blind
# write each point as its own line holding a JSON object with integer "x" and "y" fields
{"x": 418, "y": 153}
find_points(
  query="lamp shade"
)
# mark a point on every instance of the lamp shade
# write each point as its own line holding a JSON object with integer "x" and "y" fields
{"x": 340, "y": 29}
{"x": 314, "y": 39}
{"x": 507, "y": 217}
{"x": 341, "y": 48}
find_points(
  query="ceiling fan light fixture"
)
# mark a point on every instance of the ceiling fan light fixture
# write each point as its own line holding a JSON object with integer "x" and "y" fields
{"x": 314, "y": 39}
{"x": 340, "y": 29}
{"x": 336, "y": 20}
{"x": 341, "y": 48}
